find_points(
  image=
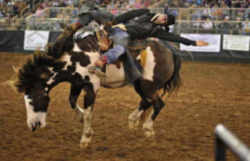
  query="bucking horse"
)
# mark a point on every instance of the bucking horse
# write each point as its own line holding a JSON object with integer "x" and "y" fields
{"x": 160, "y": 76}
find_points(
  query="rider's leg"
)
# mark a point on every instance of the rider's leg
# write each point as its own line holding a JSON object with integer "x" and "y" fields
{"x": 109, "y": 57}
{"x": 120, "y": 39}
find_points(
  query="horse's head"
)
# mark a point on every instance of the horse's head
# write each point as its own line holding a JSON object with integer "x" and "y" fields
{"x": 33, "y": 81}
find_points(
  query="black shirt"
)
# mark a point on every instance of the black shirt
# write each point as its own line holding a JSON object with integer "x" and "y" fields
{"x": 139, "y": 26}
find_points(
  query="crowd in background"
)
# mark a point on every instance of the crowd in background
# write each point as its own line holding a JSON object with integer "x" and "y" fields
{"x": 205, "y": 13}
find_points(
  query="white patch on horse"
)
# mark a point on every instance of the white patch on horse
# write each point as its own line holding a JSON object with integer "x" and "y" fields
{"x": 135, "y": 115}
{"x": 83, "y": 71}
{"x": 87, "y": 128}
{"x": 51, "y": 80}
{"x": 134, "y": 118}
{"x": 76, "y": 48}
{"x": 66, "y": 58}
{"x": 148, "y": 125}
{"x": 94, "y": 56}
{"x": 32, "y": 116}
{"x": 96, "y": 82}
{"x": 150, "y": 63}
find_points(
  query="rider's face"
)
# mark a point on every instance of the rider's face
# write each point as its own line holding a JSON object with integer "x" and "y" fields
{"x": 161, "y": 19}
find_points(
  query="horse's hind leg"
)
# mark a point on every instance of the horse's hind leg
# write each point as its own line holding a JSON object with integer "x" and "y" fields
{"x": 74, "y": 94}
{"x": 88, "y": 132}
{"x": 158, "y": 104}
{"x": 135, "y": 116}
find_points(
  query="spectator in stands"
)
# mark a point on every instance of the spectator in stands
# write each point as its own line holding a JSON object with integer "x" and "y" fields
{"x": 228, "y": 3}
{"x": 237, "y": 27}
{"x": 199, "y": 2}
{"x": 207, "y": 24}
{"x": 2, "y": 15}
{"x": 237, "y": 4}
{"x": 225, "y": 27}
{"x": 246, "y": 27}
{"x": 197, "y": 24}
{"x": 39, "y": 11}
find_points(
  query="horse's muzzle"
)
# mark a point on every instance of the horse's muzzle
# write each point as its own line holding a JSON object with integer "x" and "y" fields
{"x": 35, "y": 126}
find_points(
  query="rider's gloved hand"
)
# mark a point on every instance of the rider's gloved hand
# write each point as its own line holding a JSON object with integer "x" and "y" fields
{"x": 201, "y": 43}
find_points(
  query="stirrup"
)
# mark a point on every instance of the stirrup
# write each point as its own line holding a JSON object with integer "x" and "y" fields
{"x": 97, "y": 71}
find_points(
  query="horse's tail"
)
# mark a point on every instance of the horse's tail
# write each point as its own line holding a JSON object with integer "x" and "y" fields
{"x": 175, "y": 81}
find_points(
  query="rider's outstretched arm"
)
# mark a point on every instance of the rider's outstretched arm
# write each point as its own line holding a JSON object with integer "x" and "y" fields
{"x": 176, "y": 38}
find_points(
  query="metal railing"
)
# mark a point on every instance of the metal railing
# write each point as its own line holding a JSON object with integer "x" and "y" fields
{"x": 226, "y": 139}
{"x": 218, "y": 20}
{"x": 208, "y": 26}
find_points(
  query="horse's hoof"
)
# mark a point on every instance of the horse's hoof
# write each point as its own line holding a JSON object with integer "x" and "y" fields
{"x": 149, "y": 133}
{"x": 133, "y": 125}
{"x": 84, "y": 145}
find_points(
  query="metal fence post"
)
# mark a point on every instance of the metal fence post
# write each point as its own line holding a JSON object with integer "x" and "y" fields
{"x": 224, "y": 138}
{"x": 220, "y": 150}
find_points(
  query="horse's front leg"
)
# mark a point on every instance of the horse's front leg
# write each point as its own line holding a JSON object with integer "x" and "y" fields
{"x": 74, "y": 94}
{"x": 148, "y": 128}
{"x": 135, "y": 117}
{"x": 89, "y": 100}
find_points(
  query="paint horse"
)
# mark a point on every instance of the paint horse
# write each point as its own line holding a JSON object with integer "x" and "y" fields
{"x": 160, "y": 75}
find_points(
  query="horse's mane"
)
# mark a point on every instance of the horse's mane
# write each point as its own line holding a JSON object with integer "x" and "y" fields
{"x": 36, "y": 70}
{"x": 58, "y": 49}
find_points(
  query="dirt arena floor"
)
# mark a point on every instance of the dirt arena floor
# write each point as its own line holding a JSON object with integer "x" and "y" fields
{"x": 211, "y": 93}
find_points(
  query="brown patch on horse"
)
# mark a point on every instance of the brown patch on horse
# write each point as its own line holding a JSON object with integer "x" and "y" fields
{"x": 88, "y": 43}
{"x": 163, "y": 56}
{"x": 137, "y": 45}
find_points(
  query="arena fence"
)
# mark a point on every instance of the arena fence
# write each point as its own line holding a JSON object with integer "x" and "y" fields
{"x": 232, "y": 41}
{"x": 226, "y": 139}
{"x": 197, "y": 19}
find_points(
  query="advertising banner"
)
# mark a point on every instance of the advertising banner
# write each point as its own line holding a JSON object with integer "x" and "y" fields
{"x": 236, "y": 42}
{"x": 35, "y": 40}
{"x": 213, "y": 40}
